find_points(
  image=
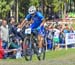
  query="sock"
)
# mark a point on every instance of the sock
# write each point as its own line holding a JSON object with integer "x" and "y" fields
{"x": 40, "y": 49}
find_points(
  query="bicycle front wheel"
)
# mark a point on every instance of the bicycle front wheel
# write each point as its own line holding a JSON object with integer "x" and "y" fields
{"x": 27, "y": 49}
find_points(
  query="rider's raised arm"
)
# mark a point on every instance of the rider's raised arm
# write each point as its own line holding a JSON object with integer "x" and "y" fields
{"x": 43, "y": 22}
{"x": 22, "y": 24}
{"x": 25, "y": 21}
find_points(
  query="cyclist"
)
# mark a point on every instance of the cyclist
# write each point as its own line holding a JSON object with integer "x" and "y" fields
{"x": 36, "y": 21}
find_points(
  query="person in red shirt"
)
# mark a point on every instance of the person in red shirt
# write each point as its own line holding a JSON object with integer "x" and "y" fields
{"x": 1, "y": 50}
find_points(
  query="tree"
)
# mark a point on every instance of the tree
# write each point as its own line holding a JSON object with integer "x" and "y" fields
{"x": 54, "y": 3}
{"x": 34, "y": 2}
{"x": 5, "y": 7}
{"x": 24, "y": 5}
{"x": 74, "y": 4}
{"x": 64, "y": 10}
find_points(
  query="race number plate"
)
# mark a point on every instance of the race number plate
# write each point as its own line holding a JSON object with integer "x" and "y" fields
{"x": 28, "y": 31}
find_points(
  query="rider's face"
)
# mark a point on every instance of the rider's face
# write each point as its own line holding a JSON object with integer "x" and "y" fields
{"x": 33, "y": 14}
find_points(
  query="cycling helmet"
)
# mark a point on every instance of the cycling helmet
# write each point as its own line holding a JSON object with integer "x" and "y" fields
{"x": 32, "y": 10}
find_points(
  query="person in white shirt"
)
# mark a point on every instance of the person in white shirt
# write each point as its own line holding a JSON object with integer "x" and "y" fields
{"x": 56, "y": 37}
{"x": 4, "y": 33}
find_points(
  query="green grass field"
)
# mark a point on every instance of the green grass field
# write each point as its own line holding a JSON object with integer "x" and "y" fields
{"x": 59, "y": 57}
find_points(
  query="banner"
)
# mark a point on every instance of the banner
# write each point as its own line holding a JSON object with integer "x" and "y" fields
{"x": 70, "y": 38}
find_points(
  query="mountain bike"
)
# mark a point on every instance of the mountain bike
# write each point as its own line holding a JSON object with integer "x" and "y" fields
{"x": 30, "y": 45}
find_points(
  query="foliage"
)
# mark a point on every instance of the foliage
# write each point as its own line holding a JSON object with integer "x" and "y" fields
{"x": 5, "y": 7}
{"x": 54, "y": 3}
{"x": 34, "y": 2}
{"x": 25, "y": 4}
{"x": 23, "y": 7}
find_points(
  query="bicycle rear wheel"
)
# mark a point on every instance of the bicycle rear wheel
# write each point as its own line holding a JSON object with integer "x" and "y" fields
{"x": 41, "y": 56}
{"x": 27, "y": 49}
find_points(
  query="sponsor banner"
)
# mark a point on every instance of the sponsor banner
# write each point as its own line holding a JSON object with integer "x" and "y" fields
{"x": 70, "y": 38}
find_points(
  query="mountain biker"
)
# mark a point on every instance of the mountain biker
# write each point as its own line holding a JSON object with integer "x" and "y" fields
{"x": 36, "y": 21}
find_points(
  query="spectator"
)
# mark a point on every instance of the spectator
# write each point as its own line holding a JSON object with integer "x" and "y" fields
{"x": 56, "y": 37}
{"x": 71, "y": 30}
{"x": 66, "y": 29}
{"x": 15, "y": 44}
{"x": 4, "y": 33}
{"x": 49, "y": 37}
{"x": 21, "y": 33}
{"x": 11, "y": 28}
{"x": 12, "y": 22}
{"x": 1, "y": 49}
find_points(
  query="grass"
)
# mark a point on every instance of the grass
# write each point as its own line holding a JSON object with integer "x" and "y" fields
{"x": 59, "y": 57}
{"x": 59, "y": 53}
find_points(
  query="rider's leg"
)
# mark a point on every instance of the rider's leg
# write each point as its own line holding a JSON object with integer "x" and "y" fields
{"x": 40, "y": 38}
{"x": 40, "y": 42}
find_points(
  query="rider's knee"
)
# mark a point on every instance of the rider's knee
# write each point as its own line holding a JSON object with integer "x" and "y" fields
{"x": 40, "y": 38}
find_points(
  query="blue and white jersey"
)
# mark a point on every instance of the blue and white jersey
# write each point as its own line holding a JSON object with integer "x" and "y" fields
{"x": 37, "y": 19}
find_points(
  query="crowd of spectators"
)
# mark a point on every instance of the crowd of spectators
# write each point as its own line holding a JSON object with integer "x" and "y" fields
{"x": 11, "y": 40}
{"x": 55, "y": 33}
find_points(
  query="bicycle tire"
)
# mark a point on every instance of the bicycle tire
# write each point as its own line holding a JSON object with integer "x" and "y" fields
{"x": 41, "y": 56}
{"x": 27, "y": 49}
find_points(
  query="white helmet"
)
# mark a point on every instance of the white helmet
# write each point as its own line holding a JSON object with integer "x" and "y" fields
{"x": 32, "y": 10}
